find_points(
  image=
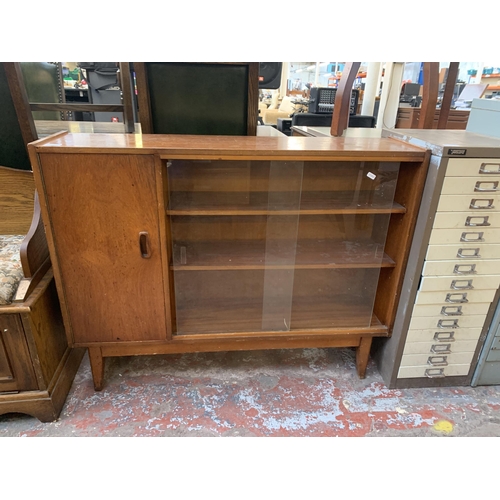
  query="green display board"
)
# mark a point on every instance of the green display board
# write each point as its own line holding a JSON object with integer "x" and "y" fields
{"x": 13, "y": 151}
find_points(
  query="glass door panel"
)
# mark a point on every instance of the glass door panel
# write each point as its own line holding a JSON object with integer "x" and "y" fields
{"x": 277, "y": 246}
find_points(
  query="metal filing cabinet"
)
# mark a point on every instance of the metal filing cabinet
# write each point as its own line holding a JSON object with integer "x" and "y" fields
{"x": 453, "y": 273}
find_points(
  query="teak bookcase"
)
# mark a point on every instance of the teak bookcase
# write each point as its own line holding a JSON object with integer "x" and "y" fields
{"x": 171, "y": 244}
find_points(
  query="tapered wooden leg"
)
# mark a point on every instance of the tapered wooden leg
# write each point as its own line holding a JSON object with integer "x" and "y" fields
{"x": 362, "y": 355}
{"x": 97, "y": 367}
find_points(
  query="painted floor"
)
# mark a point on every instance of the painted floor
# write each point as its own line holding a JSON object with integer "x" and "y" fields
{"x": 308, "y": 392}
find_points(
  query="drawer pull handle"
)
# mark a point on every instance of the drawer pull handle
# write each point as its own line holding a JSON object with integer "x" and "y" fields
{"x": 465, "y": 269}
{"x": 444, "y": 336}
{"x": 483, "y": 169}
{"x": 462, "y": 298}
{"x": 474, "y": 204}
{"x": 469, "y": 221}
{"x": 465, "y": 236}
{"x": 435, "y": 373}
{"x": 451, "y": 311}
{"x": 144, "y": 245}
{"x": 448, "y": 323}
{"x": 493, "y": 188}
{"x": 441, "y": 349}
{"x": 455, "y": 285}
{"x": 437, "y": 361}
{"x": 462, "y": 253}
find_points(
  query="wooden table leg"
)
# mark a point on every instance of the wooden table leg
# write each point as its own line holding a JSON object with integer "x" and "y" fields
{"x": 97, "y": 367}
{"x": 362, "y": 355}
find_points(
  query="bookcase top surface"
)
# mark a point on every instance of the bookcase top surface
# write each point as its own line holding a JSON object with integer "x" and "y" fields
{"x": 233, "y": 146}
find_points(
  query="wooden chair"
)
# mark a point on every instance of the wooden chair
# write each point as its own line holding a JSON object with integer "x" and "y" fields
{"x": 198, "y": 98}
{"x": 36, "y": 366}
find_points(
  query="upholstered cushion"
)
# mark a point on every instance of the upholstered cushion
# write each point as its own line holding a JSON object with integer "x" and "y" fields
{"x": 274, "y": 101}
{"x": 287, "y": 106}
{"x": 11, "y": 271}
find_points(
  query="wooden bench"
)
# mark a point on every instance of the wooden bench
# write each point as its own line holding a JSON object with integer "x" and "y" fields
{"x": 37, "y": 367}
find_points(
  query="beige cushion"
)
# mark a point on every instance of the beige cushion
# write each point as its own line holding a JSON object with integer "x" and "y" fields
{"x": 274, "y": 101}
{"x": 287, "y": 106}
{"x": 11, "y": 271}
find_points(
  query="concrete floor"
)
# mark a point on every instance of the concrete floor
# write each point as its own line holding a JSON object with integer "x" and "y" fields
{"x": 304, "y": 392}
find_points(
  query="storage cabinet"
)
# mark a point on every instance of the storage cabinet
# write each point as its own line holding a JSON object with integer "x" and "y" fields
{"x": 16, "y": 371}
{"x": 454, "y": 273}
{"x": 189, "y": 243}
{"x": 36, "y": 366}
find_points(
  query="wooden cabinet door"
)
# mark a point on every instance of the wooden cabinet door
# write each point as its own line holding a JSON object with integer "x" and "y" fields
{"x": 16, "y": 369}
{"x": 103, "y": 212}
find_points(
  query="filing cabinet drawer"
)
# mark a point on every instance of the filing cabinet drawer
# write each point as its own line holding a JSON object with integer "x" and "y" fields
{"x": 459, "y": 358}
{"x": 494, "y": 355}
{"x": 433, "y": 348}
{"x": 482, "y": 203}
{"x": 448, "y": 323}
{"x": 476, "y": 167}
{"x": 437, "y": 283}
{"x": 433, "y": 372}
{"x": 454, "y": 297}
{"x": 461, "y": 268}
{"x": 465, "y": 220}
{"x": 473, "y": 235}
{"x": 463, "y": 251}
{"x": 471, "y": 185}
{"x": 450, "y": 310}
{"x": 436, "y": 335}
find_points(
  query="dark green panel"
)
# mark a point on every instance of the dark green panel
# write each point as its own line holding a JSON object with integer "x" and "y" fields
{"x": 12, "y": 148}
{"x": 198, "y": 98}
{"x": 42, "y": 85}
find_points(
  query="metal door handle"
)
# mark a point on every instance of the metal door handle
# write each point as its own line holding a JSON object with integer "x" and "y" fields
{"x": 465, "y": 269}
{"x": 483, "y": 169}
{"x": 494, "y": 187}
{"x": 475, "y": 253}
{"x": 441, "y": 349}
{"x": 465, "y": 236}
{"x": 448, "y": 323}
{"x": 469, "y": 221}
{"x": 461, "y": 300}
{"x": 451, "y": 311}
{"x": 437, "y": 361}
{"x": 444, "y": 336}
{"x": 454, "y": 285}
{"x": 474, "y": 205}
{"x": 435, "y": 372}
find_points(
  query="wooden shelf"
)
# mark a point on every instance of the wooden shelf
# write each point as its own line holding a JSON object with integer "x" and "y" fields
{"x": 248, "y": 255}
{"x": 255, "y": 203}
{"x": 237, "y": 316}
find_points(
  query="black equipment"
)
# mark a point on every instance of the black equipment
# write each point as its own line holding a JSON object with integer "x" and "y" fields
{"x": 322, "y": 99}
{"x": 270, "y": 75}
{"x": 409, "y": 92}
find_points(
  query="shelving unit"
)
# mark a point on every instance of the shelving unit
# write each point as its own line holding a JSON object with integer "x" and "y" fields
{"x": 169, "y": 244}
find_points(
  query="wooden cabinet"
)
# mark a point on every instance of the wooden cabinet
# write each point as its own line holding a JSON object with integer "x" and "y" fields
{"x": 408, "y": 118}
{"x": 16, "y": 370}
{"x": 36, "y": 366}
{"x": 167, "y": 244}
